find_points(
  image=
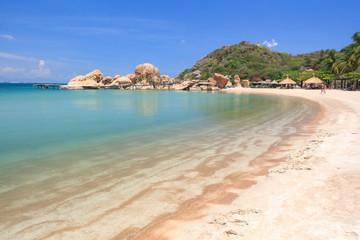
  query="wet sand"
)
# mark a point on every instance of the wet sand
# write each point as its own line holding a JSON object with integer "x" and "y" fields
{"x": 306, "y": 188}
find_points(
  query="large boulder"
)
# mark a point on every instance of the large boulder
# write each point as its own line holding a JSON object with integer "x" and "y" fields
{"x": 212, "y": 81}
{"x": 146, "y": 71}
{"x": 193, "y": 75}
{"x": 116, "y": 77}
{"x": 221, "y": 80}
{"x": 95, "y": 75}
{"x": 246, "y": 83}
{"x": 82, "y": 81}
{"x": 165, "y": 79}
{"x": 183, "y": 85}
{"x": 237, "y": 81}
{"x": 90, "y": 79}
{"x": 121, "y": 81}
{"x": 107, "y": 80}
{"x": 132, "y": 77}
{"x": 78, "y": 81}
{"x": 154, "y": 80}
{"x": 197, "y": 74}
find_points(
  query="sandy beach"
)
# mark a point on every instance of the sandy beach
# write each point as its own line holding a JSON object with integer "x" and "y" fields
{"x": 292, "y": 174}
{"x": 307, "y": 188}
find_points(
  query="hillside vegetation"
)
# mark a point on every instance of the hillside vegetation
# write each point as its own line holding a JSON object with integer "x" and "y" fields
{"x": 257, "y": 62}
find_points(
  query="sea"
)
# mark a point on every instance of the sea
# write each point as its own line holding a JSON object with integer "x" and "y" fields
{"x": 92, "y": 164}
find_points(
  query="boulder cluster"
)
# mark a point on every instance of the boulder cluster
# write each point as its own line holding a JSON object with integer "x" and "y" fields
{"x": 145, "y": 74}
{"x": 215, "y": 83}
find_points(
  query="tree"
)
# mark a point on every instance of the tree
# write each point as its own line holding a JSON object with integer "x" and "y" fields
{"x": 275, "y": 75}
{"x": 350, "y": 61}
{"x": 354, "y": 52}
{"x": 255, "y": 76}
{"x": 330, "y": 61}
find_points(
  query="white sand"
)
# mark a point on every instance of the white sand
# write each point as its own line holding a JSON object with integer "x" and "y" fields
{"x": 314, "y": 194}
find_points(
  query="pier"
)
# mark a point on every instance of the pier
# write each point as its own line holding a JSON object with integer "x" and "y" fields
{"x": 47, "y": 86}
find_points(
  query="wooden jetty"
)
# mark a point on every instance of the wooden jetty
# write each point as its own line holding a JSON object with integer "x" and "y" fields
{"x": 47, "y": 86}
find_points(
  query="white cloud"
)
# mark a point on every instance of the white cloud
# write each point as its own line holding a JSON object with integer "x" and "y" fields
{"x": 41, "y": 71}
{"x": 270, "y": 44}
{"x": 41, "y": 63}
{"x": 16, "y": 57}
{"x": 7, "y": 36}
{"x": 11, "y": 70}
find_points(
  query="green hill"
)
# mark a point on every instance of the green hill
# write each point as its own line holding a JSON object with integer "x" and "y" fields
{"x": 252, "y": 61}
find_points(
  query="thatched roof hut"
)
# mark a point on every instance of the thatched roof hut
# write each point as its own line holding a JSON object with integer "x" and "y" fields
{"x": 313, "y": 80}
{"x": 288, "y": 81}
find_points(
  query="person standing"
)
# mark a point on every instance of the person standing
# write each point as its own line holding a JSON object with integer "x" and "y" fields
{"x": 323, "y": 89}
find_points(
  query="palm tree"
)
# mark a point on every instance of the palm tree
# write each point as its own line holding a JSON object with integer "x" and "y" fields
{"x": 330, "y": 61}
{"x": 354, "y": 58}
{"x": 351, "y": 60}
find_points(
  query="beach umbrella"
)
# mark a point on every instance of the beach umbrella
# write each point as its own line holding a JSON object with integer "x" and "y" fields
{"x": 313, "y": 80}
{"x": 287, "y": 81}
{"x": 274, "y": 82}
{"x": 261, "y": 82}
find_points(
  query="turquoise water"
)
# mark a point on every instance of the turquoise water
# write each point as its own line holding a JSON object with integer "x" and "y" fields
{"x": 43, "y": 122}
{"x": 57, "y": 146}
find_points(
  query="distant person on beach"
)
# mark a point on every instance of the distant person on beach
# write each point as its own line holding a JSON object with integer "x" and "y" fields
{"x": 323, "y": 89}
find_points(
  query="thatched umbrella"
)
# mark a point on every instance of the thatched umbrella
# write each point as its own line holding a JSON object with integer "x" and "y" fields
{"x": 313, "y": 80}
{"x": 274, "y": 82}
{"x": 288, "y": 81}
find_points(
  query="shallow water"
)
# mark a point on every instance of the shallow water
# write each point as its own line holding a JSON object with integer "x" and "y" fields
{"x": 75, "y": 164}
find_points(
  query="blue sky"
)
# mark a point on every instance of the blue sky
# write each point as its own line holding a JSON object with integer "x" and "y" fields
{"x": 54, "y": 41}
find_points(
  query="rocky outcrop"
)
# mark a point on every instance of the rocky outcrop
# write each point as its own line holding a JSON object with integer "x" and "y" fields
{"x": 95, "y": 75}
{"x": 237, "y": 81}
{"x": 193, "y": 75}
{"x": 79, "y": 81}
{"x": 146, "y": 71}
{"x": 121, "y": 81}
{"x": 220, "y": 80}
{"x": 212, "y": 81}
{"x": 246, "y": 83}
{"x": 165, "y": 79}
{"x": 228, "y": 84}
{"x": 90, "y": 79}
{"x": 202, "y": 61}
{"x": 106, "y": 80}
{"x": 154, "y": 80}
{"x": 204, "y": 86}
{"x": 132, "y": 77}
{"x": 197, "y": 74}
{"x": 116, "y": 77}
{"x": 183, "y": 85}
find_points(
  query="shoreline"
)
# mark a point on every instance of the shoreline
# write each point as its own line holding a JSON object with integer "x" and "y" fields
{"x": 266, "y": 197}
{"x": 273, "y": 204}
